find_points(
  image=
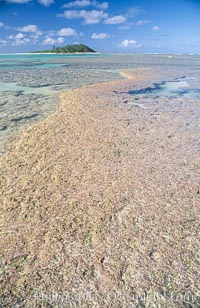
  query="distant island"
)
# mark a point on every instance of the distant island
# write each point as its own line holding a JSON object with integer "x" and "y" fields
{"x": 76, "y": 48}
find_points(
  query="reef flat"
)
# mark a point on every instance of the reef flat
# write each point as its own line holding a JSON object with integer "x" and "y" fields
{"x": 100, "y": 201}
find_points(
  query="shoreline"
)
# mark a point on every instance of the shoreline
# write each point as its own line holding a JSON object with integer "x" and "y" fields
{"x": 65, "y": 53}
{"x": 100, "y": 197}
{"x": 51, "y": 53}
{"x": 102, "y": 53}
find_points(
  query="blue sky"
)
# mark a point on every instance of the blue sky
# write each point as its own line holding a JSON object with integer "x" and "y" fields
{"x": 141, "y": 26}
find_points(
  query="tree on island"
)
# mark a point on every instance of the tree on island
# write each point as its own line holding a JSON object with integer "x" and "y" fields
{"x": 70, "y": 49}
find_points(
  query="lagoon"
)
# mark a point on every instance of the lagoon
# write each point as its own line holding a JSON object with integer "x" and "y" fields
{"x": 30, "y": 83}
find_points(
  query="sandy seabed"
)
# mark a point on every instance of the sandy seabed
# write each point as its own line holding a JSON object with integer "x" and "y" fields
{"x": 100, "y": 203}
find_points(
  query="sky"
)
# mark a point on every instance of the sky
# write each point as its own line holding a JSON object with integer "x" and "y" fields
{"x": 139, "y": 26}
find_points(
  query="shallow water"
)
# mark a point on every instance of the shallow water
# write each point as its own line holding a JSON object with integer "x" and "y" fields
{"x": 180, "y": 87}
{"x": 29, "y": 84}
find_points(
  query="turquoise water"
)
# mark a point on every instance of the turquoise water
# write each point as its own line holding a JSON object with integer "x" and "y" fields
{"x": 30, "y": 83}
{"x": 35, "y": 61}
{"x": 183, "y": 87}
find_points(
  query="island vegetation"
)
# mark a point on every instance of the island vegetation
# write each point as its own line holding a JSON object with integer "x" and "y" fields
{"x": 76, "y": 48}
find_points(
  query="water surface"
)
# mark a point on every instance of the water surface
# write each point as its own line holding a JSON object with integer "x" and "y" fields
{"x": 30, "y": 83}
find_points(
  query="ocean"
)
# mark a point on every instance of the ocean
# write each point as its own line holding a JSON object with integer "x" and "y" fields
{"x": 30, "y": 83}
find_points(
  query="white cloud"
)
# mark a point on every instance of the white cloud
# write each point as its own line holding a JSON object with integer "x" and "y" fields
{"x": 3, "y": 42}
{"x": 18, "y": 39}
{"x": 19, "y": 42}
{"x": 1, "y": 24}
{"x": 51, "y": 33}
{"x": 18, "y": 1}
{"x": 52, "y": 41}
{"x": 67, "y": 32}
{"x": 23, "y": 39}
{"x": 133, "y": 43}
{"x": 29, "y": 28}
{"x": 142, "y": 22}
{"x": 119, "y": 19}
{"x": 46, "y": 2}
{"x": 156, "y": 28}
{"x": 100, "y": 36}
{"x": 71, "y": 14}
{"x": 85, "y": 3}
{"x": 19, "y": 36}
{"x": 35, "y": 36}
{"x": 49, "y": 41}
{"x": 126, "y": 26}
{"x": 43, "y": 2}
{"x": 60, "y": 40}
{"x": 89, "y": 17}
{"x": 78, "y": 3}
{"x": 133, "y": 11}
